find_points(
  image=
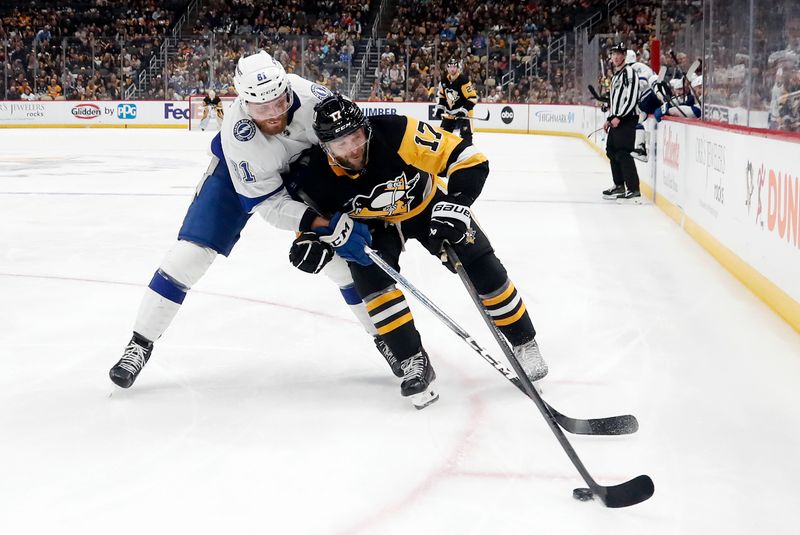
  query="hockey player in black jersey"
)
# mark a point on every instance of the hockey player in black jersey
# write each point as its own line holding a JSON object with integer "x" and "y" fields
{"x": 457, "y": 98}
{"x": 386, "y": 175}
{"x": 212, "y": 105}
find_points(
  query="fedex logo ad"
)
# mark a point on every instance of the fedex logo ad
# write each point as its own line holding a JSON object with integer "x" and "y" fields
{"x": 178, "y": 113}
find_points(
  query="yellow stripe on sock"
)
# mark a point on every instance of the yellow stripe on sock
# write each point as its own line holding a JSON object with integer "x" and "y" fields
{"x": 511, "y": 319}
{"x": 378, "y": 301}
{"x": 499, "y": 298}
{"x": 402, "y": 320}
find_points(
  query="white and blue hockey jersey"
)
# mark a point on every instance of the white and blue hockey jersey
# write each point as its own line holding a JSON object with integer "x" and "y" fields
{"x": 255, "y": 161}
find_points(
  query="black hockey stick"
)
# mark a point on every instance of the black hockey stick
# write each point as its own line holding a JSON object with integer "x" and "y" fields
{"x": 597, "y": 96}
{"x": 625, "y": 494}
{"x": 612, "y": 425}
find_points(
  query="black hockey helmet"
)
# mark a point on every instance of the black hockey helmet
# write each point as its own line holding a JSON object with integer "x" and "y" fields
{"x": 337, "y": 116}
{"x": 619, "y": 47}
{"x": 454, "y": 62}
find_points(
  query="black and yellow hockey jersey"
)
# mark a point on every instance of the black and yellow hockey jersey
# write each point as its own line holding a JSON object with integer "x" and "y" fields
{"x": 213, "y": 104}
{"x": 407, "y": 161}
{"x": 457, "y": 97}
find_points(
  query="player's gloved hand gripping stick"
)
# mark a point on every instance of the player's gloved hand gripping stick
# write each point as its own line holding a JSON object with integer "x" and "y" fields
{"x": 347, "y": 237}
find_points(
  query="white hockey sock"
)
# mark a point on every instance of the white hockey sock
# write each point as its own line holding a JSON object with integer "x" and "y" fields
{"x": 181, "y": 268}
{"x": 640, "y": 135}
{"x": 359, "y": 311}
{"x": 339, "y": 273}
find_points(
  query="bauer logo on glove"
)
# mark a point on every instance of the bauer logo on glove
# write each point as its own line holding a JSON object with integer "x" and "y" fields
{"x": 450, "y": 221}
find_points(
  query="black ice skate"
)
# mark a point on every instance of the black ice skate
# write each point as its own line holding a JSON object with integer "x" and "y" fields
{"x": 631, "y": 197}
{"x": 530, "y": 358}
{"x": 136, "y": 355}
{"x": 418, "y": 378}
{"x": 640, "y": 153}
{"x": 380, "y": 343}
{"x": 612, "y": 193}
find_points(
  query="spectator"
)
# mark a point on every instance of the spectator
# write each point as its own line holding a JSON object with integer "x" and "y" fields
{"x": 54, "y": 90}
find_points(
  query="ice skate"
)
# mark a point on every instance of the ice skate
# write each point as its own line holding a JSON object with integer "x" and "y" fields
{"x": 611, "y": 194}
{"x": 531, "y": 360}
{"x": 630, "y": 197}
{"x": 418, "y": 379}
{"x": 136, "y": 355}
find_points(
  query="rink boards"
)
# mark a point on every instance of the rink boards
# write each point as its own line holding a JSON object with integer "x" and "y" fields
{"x": 733, "y": 189}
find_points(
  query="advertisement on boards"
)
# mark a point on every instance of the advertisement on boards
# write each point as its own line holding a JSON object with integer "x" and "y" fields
{"x": 670, "y": 169}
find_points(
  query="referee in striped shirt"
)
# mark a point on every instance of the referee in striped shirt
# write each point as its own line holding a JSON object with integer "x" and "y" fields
{"x": 621, "y": 128}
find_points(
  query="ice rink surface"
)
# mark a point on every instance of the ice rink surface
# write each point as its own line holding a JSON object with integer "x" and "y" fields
{"x": 265, "y": 409}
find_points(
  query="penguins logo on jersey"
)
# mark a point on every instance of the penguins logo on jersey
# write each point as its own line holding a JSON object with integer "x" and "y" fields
{"x": 451, "y": 95}
{"x": 387, "y": 199}
{"x": 244, "y": 130}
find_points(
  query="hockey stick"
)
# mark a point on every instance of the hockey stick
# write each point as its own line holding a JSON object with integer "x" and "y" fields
{"x": 597, "y": 96}
{"x": 692, "y": 68}
{"x": 612, "y": 425}
{"x": 625, "y": 494}
{"x": 480, "y": 118}
{"x": 596, "y": 131}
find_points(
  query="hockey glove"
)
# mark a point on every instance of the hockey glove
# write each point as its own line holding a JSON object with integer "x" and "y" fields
{"x": 458, "y": 113}
{"x": 661, "y": 112}
{"x": 347, "y": 237}
{"x": 437, "y": 115}
{"x": 309, "y": 254}
{"x": 450, "y": 221}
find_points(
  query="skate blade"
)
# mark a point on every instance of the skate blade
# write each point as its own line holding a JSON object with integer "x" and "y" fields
{"x": 610, "y": 197}
{"x": 635, "y": 200}
{"x": 423, "y": 399}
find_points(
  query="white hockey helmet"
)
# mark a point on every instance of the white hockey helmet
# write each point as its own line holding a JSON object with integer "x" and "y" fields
{"x": 676, "y": 83}
{"x": 630, "y": 56}
{"x": 698, "y": 81}
{"x": 259, "y": 78}
{"x": 211, "y": 94}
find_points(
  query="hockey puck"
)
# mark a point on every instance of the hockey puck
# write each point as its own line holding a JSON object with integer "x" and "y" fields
{"x": 583, "y": 495}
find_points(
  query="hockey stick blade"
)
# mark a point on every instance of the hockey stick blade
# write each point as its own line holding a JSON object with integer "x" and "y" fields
{"x": 596, "y": 95}
{"x": 625, "y": 494}
{"x": 612, "y": 425}
{"x": 637, "y": 490}
{"x": 625, "y": 424}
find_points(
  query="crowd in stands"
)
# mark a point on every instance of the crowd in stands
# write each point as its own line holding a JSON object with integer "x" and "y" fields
{"x": 82, "y": 50}
{"x": 502, "y": 46}
{"x": 316, "y": 39}
{"x": 512, "y": 51}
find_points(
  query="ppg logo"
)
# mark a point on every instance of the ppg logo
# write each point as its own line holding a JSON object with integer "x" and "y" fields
{"x": 507, "y": 114}
{"x": 126, "y": 111}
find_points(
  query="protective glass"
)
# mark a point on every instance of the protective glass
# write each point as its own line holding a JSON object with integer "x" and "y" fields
{"x": 346, "y": 145}
{"x": 261, "y": 111}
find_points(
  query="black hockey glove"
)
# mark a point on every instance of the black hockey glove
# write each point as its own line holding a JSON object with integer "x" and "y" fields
{"x": 437, "y": 115}
{"x": 309, "y": 254}
{"x": 451, "y": 221}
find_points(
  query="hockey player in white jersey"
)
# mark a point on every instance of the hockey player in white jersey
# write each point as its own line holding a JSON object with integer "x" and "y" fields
{"x": 681, "y": 102}
{"x": 649, "y": 102}
{"x": 267, "y": 126}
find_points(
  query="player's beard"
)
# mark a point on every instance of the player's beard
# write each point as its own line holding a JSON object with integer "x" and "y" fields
{"x": 273, "y": 127}
{"x": 354, "y": 162}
